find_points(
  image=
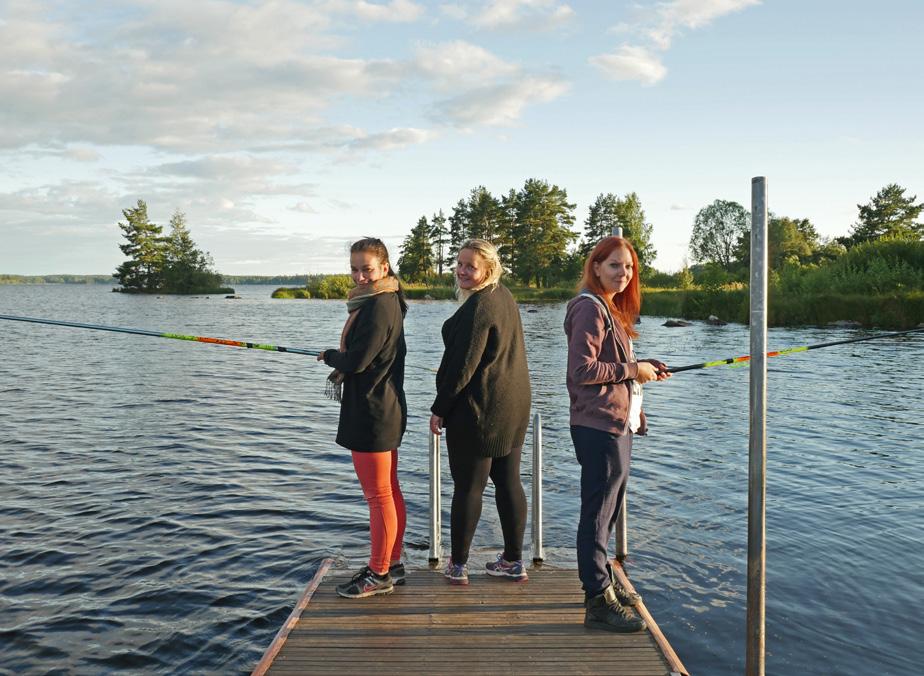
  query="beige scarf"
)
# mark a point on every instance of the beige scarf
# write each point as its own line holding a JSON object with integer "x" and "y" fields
{"x": 358, "y": 295}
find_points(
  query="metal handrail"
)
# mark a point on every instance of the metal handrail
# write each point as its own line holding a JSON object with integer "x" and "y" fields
{"x": 622, "y": 529}
{"x": 538, "y": 554}
{"x": 436, "y": 526}
{"x": 436, "y": 510}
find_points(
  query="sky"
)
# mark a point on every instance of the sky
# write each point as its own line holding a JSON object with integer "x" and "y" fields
{"x": 286, "y": 129}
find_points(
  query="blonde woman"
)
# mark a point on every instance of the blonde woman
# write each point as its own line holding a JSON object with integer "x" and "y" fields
{"x": 483, "y": 401}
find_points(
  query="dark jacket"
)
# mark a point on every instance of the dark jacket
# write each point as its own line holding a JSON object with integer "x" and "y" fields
{"x": 373, "y": 410}
{"x": 601, "y": 369}
{"x": 482, "y": 386}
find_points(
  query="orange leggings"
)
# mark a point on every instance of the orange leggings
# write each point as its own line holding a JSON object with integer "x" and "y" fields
{"x": 378, "y": 475}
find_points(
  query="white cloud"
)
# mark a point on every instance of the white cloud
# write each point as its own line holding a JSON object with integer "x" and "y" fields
{"x": 391, "y": 139}
{"x": 535, "y": 14}
{"x": 82, "y": 154}
{"x": 187, "y": 76}
{"x": 660, "y": 23}
{"x": 499, "y": 105}
{"x": 396, "y": 11}
{"x": 698, "y": 13}
{"x": 460, "y": 63}
{"x": 63, "y": 203}
{"x": 224, "y": 168}
{"x": 631, "y": 63}
{"x": 303, "y": 207}
{"x": 221, "y": 108}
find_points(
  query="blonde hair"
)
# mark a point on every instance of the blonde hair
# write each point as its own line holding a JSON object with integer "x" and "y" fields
{"x": 493, "y": 267}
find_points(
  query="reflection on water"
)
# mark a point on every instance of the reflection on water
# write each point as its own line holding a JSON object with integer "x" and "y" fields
{"x": 164, "y": 503}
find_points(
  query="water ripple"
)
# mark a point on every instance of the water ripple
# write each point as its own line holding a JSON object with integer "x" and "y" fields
{"x": 165, "y": 503}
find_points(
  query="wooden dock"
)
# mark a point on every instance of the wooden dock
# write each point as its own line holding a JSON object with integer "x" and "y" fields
{"x": 490, "y": 626}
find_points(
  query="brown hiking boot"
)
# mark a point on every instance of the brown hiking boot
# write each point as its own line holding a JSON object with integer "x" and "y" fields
{"x": 623, "y": 595}
{"x": 605, "y": 612}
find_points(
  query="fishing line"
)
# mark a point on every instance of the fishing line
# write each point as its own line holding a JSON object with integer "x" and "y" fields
{"x": 738, "y": 361}
{"x": 157, "y": 334}
{"x": 733, "y": 361}
{"x": 177, "y": 336}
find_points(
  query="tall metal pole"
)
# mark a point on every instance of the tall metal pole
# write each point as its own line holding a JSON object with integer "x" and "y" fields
{"x": 757, "y": 446}
{"x": 436, "y": 510}
{"x": 538, "y": 554}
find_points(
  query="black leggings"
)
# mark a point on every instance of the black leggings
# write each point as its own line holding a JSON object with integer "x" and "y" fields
{"x": 470, "y": 477}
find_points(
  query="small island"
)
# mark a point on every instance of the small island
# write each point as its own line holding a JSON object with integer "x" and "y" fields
{"x": 165, "y": 265}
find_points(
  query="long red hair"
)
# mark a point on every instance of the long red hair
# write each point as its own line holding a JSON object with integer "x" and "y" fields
{"x": 626, "y": 305}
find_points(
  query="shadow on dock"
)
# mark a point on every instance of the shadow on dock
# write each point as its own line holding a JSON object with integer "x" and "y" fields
{"x": 430, "y": 627}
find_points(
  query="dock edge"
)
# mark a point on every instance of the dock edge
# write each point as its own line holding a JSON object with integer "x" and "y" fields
{"x": 267, "y": 660}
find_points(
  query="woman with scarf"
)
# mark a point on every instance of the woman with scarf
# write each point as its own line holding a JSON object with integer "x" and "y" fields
{"x": 368, "y": 381}
{"x": 604, "y": 382}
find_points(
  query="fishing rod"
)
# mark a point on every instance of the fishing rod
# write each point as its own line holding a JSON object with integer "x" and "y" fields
{"x": 789, "y": 350}
{"x": 178, "y": 336}
{"x": 157, "y": 334}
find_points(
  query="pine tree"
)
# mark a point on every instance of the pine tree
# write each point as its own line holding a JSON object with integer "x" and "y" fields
{"x": 416, "y": 260}
{"x": 609, "y": 212}
{"x": 458, "y": 229}
{"x": 541, "y": 232}
{"x": 601, "y": 219}
{"x": 484, "y": 216}
{"x": 186, "y": 268}
{"x": 142, "y": 272}
{"x": 888, "y": 214}
{"x": 439, "y": 240}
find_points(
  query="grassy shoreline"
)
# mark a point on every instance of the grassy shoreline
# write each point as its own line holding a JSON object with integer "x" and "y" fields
{"x": 897, "y": 310}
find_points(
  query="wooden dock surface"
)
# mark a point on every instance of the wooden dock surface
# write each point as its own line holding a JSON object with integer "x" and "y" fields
{"x": 491, "y": 626}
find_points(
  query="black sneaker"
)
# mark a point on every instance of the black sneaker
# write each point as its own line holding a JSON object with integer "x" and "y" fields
{"x": 623, "y": 595}
{"x": 397, "y": 572}
{"x": 366, "y": 583}
{"x": 605, "y": 612}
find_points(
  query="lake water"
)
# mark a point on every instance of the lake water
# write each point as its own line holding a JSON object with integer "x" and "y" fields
{"x": 165, "y": 503}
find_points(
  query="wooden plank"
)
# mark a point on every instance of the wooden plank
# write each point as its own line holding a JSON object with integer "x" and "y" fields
{"x": 491, "y": 625}
{"x": 279, "y": 640}
{"x": 675, "y": 664}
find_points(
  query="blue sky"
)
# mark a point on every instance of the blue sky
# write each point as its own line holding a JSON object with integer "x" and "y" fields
{"x": 286, "y": 129}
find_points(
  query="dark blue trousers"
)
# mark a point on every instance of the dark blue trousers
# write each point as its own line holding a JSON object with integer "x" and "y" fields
{"x": 604, "y": 460}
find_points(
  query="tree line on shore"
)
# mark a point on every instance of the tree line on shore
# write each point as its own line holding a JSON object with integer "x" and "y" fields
{"x": 56, "y": 279}
{"x": 532, "y": 228}
{"x": 159, "y": 263}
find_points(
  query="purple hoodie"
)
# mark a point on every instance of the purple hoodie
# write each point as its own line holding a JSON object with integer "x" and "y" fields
{"x": 600, "y": 369}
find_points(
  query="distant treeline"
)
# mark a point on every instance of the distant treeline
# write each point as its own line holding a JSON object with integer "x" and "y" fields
{"x": 265, "y": 279}
{"x": 109, "y": 279}
{"x": 57, "y": 279}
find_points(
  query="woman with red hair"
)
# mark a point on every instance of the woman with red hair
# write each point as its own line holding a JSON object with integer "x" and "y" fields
{"x": 605, "y": 388}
